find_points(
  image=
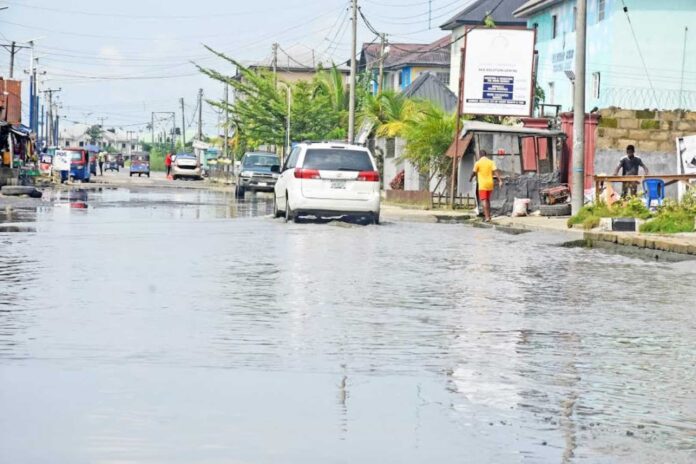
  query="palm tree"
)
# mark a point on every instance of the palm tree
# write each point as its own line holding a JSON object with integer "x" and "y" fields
{"x": 428, "y": 135}
{"x": 389, "y": 112}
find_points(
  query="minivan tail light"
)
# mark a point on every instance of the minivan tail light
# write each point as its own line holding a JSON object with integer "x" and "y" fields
{"x": 368, "y": 176}
{"x": 307, "y": 174}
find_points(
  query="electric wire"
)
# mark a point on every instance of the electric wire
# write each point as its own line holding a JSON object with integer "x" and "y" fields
{"x": 640, "y": 53}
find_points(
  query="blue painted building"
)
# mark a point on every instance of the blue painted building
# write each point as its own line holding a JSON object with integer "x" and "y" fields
{"x": 616, "y": 40}
{"x": 405, "y": 62}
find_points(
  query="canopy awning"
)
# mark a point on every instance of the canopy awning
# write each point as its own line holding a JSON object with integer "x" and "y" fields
{"x": 21, "y": 130}
{"x": 469, "y": 128}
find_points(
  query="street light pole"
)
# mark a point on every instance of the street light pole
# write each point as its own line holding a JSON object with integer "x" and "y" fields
{"x": 578, "y": 173}
{"x": 183, "y": 124}
{"x": 353, "y": 71}
{"x": 225, "y": 146}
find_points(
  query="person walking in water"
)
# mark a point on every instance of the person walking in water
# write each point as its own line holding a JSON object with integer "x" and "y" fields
{"x": 101, "y": 157}
{"x": 168, "y": 163}
{"x": 484, "y": 172}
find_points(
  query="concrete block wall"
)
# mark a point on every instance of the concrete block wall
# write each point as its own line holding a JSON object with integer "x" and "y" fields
{"x": 650, "y": 131}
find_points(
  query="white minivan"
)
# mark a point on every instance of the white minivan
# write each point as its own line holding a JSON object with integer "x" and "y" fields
{"x": 328, "y": 179}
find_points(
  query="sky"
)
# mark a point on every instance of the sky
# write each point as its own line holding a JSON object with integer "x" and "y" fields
{"x": 123, "y": 60}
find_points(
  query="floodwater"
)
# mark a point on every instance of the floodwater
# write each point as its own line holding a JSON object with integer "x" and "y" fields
{"x": 175, "y": 326}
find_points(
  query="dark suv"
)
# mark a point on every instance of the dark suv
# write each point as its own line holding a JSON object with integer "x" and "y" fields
{"x": 255, "y": 173}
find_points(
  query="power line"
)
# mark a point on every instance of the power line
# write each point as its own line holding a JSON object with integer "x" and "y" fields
{"x": 640, "y": 53}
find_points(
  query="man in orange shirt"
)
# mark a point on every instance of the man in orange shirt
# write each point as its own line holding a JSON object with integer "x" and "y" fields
{"x": 484, "y": 171}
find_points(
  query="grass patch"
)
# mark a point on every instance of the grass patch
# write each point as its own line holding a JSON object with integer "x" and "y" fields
{"x": 673, "y": 217}
{"x": 670, "y": 223}
{"x": 590, "y": 215}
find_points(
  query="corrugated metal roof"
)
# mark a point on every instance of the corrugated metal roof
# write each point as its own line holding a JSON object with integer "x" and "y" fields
{"x": 481, "y": 126}
{"x": 408, "y": 54}
{"x": 429, "y": 87}
{"x": 476, "y": 11}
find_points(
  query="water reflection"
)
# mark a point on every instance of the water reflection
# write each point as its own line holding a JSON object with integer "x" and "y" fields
{"x": 183, "y": 326}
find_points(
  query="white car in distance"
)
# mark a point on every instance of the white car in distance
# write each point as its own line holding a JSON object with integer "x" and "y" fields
{"x": 328, "y": 179}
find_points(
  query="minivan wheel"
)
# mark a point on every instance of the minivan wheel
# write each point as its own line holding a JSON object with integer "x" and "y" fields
{"x": 375, "y": 218}
{"x": 289, "y": 216}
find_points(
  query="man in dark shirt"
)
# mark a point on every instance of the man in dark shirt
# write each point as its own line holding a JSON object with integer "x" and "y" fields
{"x": 629, "y": 165}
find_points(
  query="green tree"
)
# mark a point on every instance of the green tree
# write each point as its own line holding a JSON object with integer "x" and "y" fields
{"x": 428, "y": 135}
{"x": 95, "y": 133}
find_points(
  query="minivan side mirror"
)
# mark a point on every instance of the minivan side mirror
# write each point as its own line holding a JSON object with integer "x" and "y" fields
{"x": 275, "y": 168}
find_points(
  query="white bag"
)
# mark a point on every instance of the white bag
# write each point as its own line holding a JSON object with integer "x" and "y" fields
{"x": 520, "y": 206}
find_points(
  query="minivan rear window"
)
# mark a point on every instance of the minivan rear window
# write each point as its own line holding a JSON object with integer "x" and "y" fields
{"x": 337, "y": 159}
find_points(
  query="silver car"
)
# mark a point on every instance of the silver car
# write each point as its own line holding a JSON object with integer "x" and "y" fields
{"x": 186, "y": 165}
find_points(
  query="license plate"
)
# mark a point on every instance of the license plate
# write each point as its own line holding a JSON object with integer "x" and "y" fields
{"x": 338, "y": 184}
{"x": 262, "y": 184}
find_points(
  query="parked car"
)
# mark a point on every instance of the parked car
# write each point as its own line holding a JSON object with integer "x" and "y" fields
{"x": 140, "y": 164}
{"x": 255, "y": 173}
{"x": 111, "y": 163}
{"x": 328, "y": 180}
{"x": 186, "y": 165}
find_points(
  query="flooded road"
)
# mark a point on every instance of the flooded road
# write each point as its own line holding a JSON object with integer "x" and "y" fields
{"x": 178, "y": 327}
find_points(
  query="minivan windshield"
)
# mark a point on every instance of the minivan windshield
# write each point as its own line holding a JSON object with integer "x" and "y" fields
{"x": 337, "y": 159}
{"x": 261, "y": 161}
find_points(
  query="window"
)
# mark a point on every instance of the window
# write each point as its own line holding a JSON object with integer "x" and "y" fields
{"x": 337, "y": 159}
{"x": 444, "y": 77}
{"x": 132, "y": 147}
{"x": 575, "y": 18}
{"x": 67, "y": 143}
{"x": 82, "y": 144}
{"x": 123, "y": 145}
{"x": 601, "y": 9}
{"x": 552, "y": 93}
{"x": 554, "y": 26}
{"x": 391, "y": 148}
{"x": 596, "y": 82}
{"x": 291, "y": 161}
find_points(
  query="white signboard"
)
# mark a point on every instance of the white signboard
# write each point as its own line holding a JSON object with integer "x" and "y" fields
{"x": 498, "y": 65}
{"x": 61, "y": 160}
{"x": 686, "y": 159}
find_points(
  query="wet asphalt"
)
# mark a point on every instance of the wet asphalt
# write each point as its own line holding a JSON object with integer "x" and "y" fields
{"x": 179, "y": 326}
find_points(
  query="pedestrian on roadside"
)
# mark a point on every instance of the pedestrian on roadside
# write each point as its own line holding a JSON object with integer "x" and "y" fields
{"x": 101, "y": 157}
{"x": 629, "y": 165}
{"x": 484, "y": 172}
{"x": 168, "y": 163}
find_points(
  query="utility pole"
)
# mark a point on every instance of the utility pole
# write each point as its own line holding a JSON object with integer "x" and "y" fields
{"x": 173, "y": 131}
{"x": 225, "y": 143}
{"x": 578, "y": 173}
{"x": 183, "y": 124}
{"x": 353, "y": 71}
{"x": 274, "y": 62}
{"x": 152, "y": 129}
{"x": 681, "y": 85}
{"x": 13, "y": 48}
{"x": 50, "y": 130}
{"x": 200, "y": 114}
{"x": 12, "y": 54}
{"x": 380, "y": 77}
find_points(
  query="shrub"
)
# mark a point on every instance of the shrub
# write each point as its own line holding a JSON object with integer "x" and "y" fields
{"x": 590, "y": 215}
